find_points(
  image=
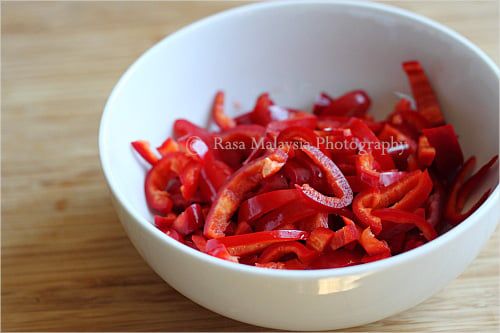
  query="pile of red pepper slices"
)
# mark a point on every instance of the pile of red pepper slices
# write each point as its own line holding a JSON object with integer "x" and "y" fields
{"x": 285, "y": 189}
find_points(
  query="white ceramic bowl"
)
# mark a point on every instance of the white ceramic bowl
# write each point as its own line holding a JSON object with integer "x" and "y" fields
{"x": 296, "y": 50}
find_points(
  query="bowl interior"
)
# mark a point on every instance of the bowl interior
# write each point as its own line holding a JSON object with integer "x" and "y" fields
{"x": 294, "y": 52}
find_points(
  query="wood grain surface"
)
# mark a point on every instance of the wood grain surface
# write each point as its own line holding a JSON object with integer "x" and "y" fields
{"x": 67, "y": 264}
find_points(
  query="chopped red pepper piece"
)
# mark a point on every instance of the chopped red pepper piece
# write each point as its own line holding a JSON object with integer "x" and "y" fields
{"x": 232, "y": 192}
{"x": 319, "y": 239}
{"x": 347, "y": 234}
{"x": 372, "y": 245}
{"x": 246, "y": 244}
{"x": 336, "y": 259}
{"x": 144, "y": 149}
{"x": 449, "y": 155}
{"x": 168, "y": 146}
{"x": 423, "y": 93}
{"x": 426, "y": 152}
{"x": 352, "y": 104}
{"x": 220, "y": 118}
{"x": 310, "y": 223}
{"x": 171, "y": 165}
{"x": 220, "y": 251}
{"x": 189, "y": 220}
{"x": 286, "y": 214}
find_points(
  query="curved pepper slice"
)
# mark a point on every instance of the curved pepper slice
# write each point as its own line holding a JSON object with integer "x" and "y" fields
{"x": 189, "y": 220}
{"x": 347, "y": 234}
{"x": 374, "y": 246}
{"x": 408, "y": 194}
{"x": 336, "y": 180}
{"x": 261, "y": 204}
{"x": 144, "y": 149}
{"x": 352, "y": 104}
{"x": 245, "y": 244}
{"x": 170, "y": 166}
{"x": 427, "y": 103}
{"x": 232, "y": 193}
{"x": 401, "y": 216}
{"x": 220, "y": 118}
{"x": 451, "y": 212}
{"x": 287, "y": 214}
{"x": 278, "y": 250}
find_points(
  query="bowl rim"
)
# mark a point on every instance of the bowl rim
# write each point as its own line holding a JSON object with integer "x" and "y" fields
{"x": 291, "y": 274}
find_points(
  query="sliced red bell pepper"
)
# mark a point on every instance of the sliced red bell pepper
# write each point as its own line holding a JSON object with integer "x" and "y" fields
{"x": 243, "y": 228}
{"x": 352, "y": 104}
{"x": 231, "y": 194}
{"x": 144, "y": 149}
{"x": 336, "y": 181}
{"x": 164, "y": 221}
{"x": 219, "y": 250}
{"x": 346, "y": 235}
{"x": 168, "y": 146}
{"x": 449, "y": 156}
{"x": 189, "y": 220}
{"x": 451, "y": 212}
{"x": 472, "y": 182}
{"x": 409, "y": 193}
{"x": 336, "y": 259}
{"x": 427, "y": 103}
{"x": 275, "y": 182}
{"x": 275, "y": 251}
{"x": 401, "y": 216}
{"x": 298, "y": 119}
{"x": 246, "y": 244}
{"x": 286, "y": 214}
{"x": 213, "y": 175}
{"x": 172, "y": 233}
{"x": 183, "y": 127}
{"x": 372, "y": 245}
{"x": 200, "y": 242}
{"x": 170, "y": 166}
{"x": 426, "y": 152}
{"x": 370, "y": 142}
{"x": 310, "y": 223}
{"x": 220, "y": 118}
{"x": 260, "y": 114}
{"x": 261, "y": 204}
{"x": 319, "y": 239}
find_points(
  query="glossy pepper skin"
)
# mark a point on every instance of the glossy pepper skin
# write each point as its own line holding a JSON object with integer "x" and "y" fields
{"x": 298, "y": 200}
{"x": 231, "y": 194}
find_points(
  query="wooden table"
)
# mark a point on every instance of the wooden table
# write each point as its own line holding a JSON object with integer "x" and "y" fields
{"x": 67, "y": 264}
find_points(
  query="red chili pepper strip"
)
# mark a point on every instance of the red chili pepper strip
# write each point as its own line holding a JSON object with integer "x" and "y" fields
{"x": 411, "y": 192}
{"x": 275, "y": 251}
{"x": 423, "y": 93}
{"x": 336, "y": 180}
{"x": 449, "y": 156}
{"x": 472, "y": 182}
{"x": 144, "y": 149}
{"x": 402, "y": 216}
{"x": 261, "y": 204}
{"x": 232, "y": 193}
{"x": 220, "y": 118}
{"x": 158, "y": 177}
{"x": 372, "y": 245}
{"x": 189, "y": 220}
{"x": 286, "y": 214}
{"x": 451, "y": 212}
{"x": 246, "y": 244}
